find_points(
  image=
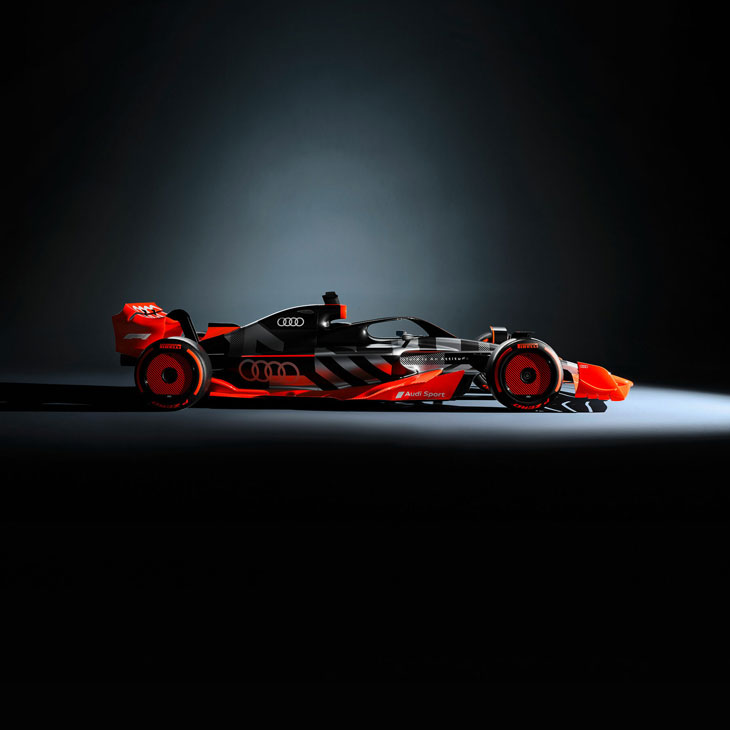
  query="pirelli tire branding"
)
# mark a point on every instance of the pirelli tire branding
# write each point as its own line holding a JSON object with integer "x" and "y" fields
{"x": 172, "y": 374}
{"x": 524, "y": 374}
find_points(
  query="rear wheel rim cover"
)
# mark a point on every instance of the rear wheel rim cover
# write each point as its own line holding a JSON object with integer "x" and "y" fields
{"x": 162, "y": 362}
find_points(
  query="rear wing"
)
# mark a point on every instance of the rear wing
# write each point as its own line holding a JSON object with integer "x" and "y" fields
{"x": 141, "y": 323}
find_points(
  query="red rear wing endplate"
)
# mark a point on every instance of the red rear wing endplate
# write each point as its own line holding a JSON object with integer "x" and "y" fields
{"x": 141, "y": 323}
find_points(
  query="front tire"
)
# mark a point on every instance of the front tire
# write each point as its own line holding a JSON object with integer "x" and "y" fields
{"x": 524, "y": 374}
{"x": 172, "y": 374}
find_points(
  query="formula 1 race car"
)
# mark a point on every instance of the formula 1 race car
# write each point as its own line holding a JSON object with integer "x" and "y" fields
{"x": 310, "y": 351}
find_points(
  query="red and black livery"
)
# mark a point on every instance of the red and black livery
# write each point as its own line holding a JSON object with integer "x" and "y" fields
{"x": 312, "y": 351}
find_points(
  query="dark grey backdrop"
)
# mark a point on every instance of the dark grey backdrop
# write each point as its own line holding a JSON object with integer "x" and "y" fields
{"x": 544, "y": 166}
{"x": 547, "y": 165}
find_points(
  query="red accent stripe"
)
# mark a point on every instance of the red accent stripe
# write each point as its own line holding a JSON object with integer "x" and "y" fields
{"x": 436, "y": 380}
{"x": 217, "y": 331}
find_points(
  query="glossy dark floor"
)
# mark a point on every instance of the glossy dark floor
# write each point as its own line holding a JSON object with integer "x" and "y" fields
{"x": 294, "y": 540}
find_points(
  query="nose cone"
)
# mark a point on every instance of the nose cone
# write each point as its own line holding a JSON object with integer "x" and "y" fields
{"x": 623, "y": 386}
{"x": 596, "y": 382}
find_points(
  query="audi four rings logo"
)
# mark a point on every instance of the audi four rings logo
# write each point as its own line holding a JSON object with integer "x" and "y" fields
{"x": 290, "y": 321}
{"x": 263, "y": 370}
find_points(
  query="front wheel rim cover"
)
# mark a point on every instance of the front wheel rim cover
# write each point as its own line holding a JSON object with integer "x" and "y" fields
{"x": 528, "y": 377}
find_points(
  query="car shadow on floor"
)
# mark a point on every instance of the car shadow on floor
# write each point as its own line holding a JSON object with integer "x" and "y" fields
{"x": 111, "y": 398}
{"x": 66, "y": 397}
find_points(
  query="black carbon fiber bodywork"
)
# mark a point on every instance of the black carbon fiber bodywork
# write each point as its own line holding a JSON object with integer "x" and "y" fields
{"x": 311, "y": 343}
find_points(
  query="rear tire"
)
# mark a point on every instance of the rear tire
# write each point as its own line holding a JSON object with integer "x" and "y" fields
{"x": 524, "y": 374}
{"x": 172, "y": 374}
